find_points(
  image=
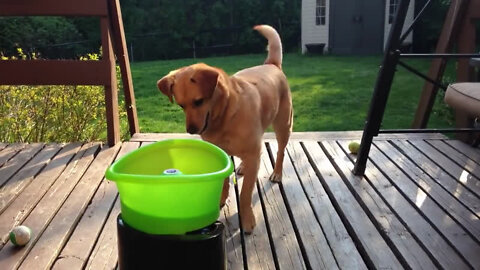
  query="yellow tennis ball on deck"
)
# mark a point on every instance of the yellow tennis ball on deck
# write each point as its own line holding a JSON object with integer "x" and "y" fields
{"x": 353, "y": 147}
{"x": 20, "y": 235}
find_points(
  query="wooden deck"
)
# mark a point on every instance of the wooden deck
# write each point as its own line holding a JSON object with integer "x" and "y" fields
{"x": 417, "y": 207}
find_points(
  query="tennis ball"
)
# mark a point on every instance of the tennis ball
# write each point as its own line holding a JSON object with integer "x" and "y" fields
{"x": 353, "y": 147}
{"x": 20, "y": 235}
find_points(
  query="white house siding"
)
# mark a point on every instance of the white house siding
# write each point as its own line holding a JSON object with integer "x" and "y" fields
{"x": 312, "y": 33}
{"x": 408, "y": 22}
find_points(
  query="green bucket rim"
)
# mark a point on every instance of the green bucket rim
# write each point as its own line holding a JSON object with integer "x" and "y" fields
{"x": 112, "y": 175}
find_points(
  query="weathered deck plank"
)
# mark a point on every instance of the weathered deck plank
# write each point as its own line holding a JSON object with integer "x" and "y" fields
{"x": 286, "y": 247}
{"x": 26, "y": 201}
{"x": 258, "y": 250}
{"x": 21, "y": 179}
{"x": 463, "y": 160}
{"x": 416, "y": 207}
{"x": 77, "y": 249}
{"x": 385, "y": 182}
{"x": 429, "y": 208}
{"x": 105, "y": 253}
{"x": 48, "y": 207}
{"x": 372, "y": 246}
{"x": 444, "y": 199}
{"x": 311, "y": 236}
{"x": 467, "y": 150}
{"x": 440, "y": 175}
{"x": 457, "y": 172}
{"x": 3, "y": 145}
{"x": 15, "y": 164}
{"x": 44, "y": 253}
{"x": 233, "y": 235}
{"x": 402, "y": 243}
{"x": 341, "y": 244}
{"x": 10, "y": 151}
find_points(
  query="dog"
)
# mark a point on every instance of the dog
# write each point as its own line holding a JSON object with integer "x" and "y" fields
{"x": 233, "y": 112}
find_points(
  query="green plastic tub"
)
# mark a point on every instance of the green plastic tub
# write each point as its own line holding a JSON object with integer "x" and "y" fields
{"x": 171, "y": 186}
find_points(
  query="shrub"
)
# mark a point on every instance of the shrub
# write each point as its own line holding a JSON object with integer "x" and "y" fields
{"x": 54, "y": 113}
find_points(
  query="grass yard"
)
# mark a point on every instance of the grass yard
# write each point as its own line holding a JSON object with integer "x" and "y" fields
{"x": 330, "y": 93}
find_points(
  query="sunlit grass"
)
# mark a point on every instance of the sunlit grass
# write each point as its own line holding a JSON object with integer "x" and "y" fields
{"x": 330, "y": 93}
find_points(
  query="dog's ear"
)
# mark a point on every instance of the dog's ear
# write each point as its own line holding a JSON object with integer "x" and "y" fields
{"x": 207, "y": 78}
{"x": 165, "y": 85}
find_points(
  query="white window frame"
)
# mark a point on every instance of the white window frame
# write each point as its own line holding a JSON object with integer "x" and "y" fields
{"x": 321, "y": 12}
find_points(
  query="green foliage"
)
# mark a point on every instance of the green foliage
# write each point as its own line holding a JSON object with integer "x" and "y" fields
{"x": 161, "y": 29}
{"x": 53, "y": 113}
{"x": 36, "y": 34}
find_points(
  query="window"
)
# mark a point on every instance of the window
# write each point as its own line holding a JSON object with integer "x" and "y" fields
{"x": 392, "y": 10}
{"x": 320, "y": 12}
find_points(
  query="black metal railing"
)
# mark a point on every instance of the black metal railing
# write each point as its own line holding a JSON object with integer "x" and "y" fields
{"x": 384, "y": 81}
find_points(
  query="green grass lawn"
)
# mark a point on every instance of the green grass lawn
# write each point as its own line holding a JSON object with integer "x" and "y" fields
{"x": 330, "y": 93}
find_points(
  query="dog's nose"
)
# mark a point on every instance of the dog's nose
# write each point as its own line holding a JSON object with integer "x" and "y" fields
{"x": 192, "y": 129}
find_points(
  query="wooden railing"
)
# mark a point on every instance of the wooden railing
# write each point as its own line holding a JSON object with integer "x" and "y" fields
{"x": 76, "y": 72}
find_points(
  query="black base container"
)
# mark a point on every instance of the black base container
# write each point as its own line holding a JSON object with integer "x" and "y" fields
{"x": 200, "y": 249}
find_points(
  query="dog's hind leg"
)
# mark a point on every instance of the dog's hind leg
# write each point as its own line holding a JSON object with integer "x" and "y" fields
{"x": 282, "y": 125}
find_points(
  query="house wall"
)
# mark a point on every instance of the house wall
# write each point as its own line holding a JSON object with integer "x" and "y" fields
{"x": 312, "y": 33}
{"x": 408, "y": 21}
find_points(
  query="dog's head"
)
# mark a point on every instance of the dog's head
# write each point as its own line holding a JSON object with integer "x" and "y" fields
{"x": 194, "y": 89}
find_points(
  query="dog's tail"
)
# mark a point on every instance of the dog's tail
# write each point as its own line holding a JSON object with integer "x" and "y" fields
{"x": 274, "y": 44}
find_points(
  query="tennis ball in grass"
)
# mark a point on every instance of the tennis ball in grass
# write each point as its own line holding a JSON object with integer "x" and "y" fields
{"x": 353, "y": 147}
{"x": 20, "y": 235}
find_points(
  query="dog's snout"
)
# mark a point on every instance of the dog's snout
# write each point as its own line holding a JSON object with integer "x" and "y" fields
{"x": 192, "y": 129}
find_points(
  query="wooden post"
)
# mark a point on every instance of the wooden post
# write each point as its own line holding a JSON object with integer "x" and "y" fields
{"x": 111, "y": 95}
{"x": 122, "y": 57}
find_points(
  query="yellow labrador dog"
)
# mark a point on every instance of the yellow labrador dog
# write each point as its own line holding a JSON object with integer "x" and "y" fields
{"x": 233, "y": 112}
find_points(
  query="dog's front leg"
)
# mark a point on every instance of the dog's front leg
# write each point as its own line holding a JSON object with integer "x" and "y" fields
{"x": 250, "y": 169}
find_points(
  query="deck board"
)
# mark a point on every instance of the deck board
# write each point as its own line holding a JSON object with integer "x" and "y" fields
{"x": 21, "y": 179}
{"x": 440, "y": 175}
{"x": 465, "y": 149}
{"x": 313, "y": 242}
{"x": 343, "y": 247}
{"x": 461, "y": 173}
{"x": 24, "y": 203}
{"x": 442, "y": 253}
{"x": 285, "y": 244}
{"x": 372, "y": 246}
{"x": 430, "y": 208}
{"x": 397, "y": 236}
{"x": 13, "y": 165}
{"x": 9, "y": 151}
{"x": 416, "y": 207}
{"x": 233, "y": 234}
{"x": 445, "y": 200}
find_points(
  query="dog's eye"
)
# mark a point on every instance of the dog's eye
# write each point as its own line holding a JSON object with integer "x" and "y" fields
{"x": 198, "y": 102}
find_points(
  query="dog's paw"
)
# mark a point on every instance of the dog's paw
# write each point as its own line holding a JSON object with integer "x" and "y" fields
{"x": 276, "y": 177}
{"x": 248, "y": 220}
